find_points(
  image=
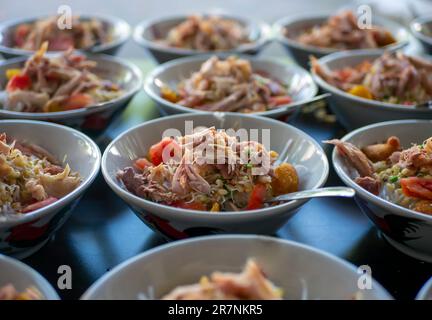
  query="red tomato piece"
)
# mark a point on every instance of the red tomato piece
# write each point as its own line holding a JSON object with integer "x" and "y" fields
{"x": 280, "y": 100}
{"x": 20, "y": 34}
{"x": 61, "y": 43}
{"x": 78, "y": 101}
{"x": 257, "y": 197}
{"x": 417, "y": 187}
{"x": 39, "y": 204}
{"x": 156, "y": 150}
{"x": 141, "y": 163}
{"x": 196, "y": 205}
{"x": 19, "y": 82}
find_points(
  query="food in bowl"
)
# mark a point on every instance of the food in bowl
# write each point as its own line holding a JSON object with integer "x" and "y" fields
{"x": 250, "y": 284}
{"x": 229, "y": 85}
{"x": 392, "y": 78}
{"x": 30, "y": 178}
{"x": 209, "y": 170}
{"x": 82, "y": 34}
{"x": 9, "y": 292}
{"x": 60, "y": 83}
{"x": 210, "y": 33}
{"x": 343, "y": 32}
{"x": 401, "y": 176}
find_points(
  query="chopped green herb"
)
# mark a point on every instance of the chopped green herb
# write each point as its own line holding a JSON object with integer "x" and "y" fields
{"x": 393, "y": 179}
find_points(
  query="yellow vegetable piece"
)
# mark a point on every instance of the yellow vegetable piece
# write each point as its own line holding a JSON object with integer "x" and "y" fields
{"x": 215, "y": 207}
{"x": 169, "y": 94}
{"x": 12, "y": 72}
{"x": 285, "y": 179}
{"x": 274, "y": 154}
{"x": 361, "y": 91}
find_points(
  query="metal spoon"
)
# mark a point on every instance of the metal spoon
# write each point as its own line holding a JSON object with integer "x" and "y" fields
{"x": 424, "y": 105}
{"x": 306, "y": 102}
{"x": 315, "y": 193}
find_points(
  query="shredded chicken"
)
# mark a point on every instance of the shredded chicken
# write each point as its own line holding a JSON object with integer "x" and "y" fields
{"x": 229, "y": 85}
{"x": 342, "y": 32}
{"x": 83, "y": 34}
{"x": 251, "y": 284}
{"x": 207, "y": 34}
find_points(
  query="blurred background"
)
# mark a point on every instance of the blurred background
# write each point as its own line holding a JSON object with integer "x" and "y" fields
{"x": 134, "y": 11}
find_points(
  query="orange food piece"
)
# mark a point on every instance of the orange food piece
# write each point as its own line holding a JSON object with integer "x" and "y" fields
{"x": 39, "y": 204}
{"x": 78, "y": 101}
{"x": 285, "y": 179}
{"x": 195, "y": 205}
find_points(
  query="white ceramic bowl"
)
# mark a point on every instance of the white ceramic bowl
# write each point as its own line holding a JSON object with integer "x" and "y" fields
{"x": 120, "y": 33}
{"x": 171, "y": 73}
{"x": 425, "y": 292}
{"x": 304, "y": 153}
{"x": 23, "y": 235}
{"x": 301, "y": 271}
{"x": 298, "y": 23}
{"x": 354, "y": 112}
{"x": 148, "y": 31}
{"x": 22, "y": 277}
{"x": 91, "y": 120}
{"x": 407, "y": 230}
{"x": 421, "y": 28}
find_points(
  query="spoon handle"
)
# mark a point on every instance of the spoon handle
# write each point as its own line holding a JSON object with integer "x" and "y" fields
{"x": 316, "y": 193}
{"x": 311, "y": 100}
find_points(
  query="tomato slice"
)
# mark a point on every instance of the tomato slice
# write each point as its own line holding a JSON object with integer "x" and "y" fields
{"x": 195, "y": 205}
{"x": 256, "y": 199}
{"x": 156, "y": 151}
{"x": 279, "y": 100}
{"x": 19, "y": 82}
{"x": 20, "y": 34}
{"x": 142, "y": 163}
{"x": 78, "y": 101}
{"x": 417, "y": 187}
{"x": 39, "y": 204}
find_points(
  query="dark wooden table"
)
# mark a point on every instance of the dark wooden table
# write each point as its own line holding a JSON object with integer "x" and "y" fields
{"x": 103, "y": 232}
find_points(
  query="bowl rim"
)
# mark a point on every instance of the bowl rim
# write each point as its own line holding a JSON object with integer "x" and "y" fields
{"x": 39, "y": 213}
{"x": 418, "y": 34}
{"x": 42, "y": 283}
{"x": 287, "y": 206}
{"x": 113, "y": 21}
{"x": 149, "y": 254}
{"x": 425, "y": 291}
{"x": 396, "y": 209}
{"x": 368, "y": 54}
{"x": 148, "y": 82}
{"x": 99, "y": 58}
{"x": 262, "y": 28}
{"x": 286, "y": 21}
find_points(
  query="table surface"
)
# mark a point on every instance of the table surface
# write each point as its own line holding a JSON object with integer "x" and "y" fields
{"x": 103, "y": 232}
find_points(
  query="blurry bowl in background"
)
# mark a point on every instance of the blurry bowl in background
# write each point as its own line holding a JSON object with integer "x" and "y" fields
{"x": 148, "y": 32}
{"x": 120, "y": 31}
{"x": 297, "y": 24}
